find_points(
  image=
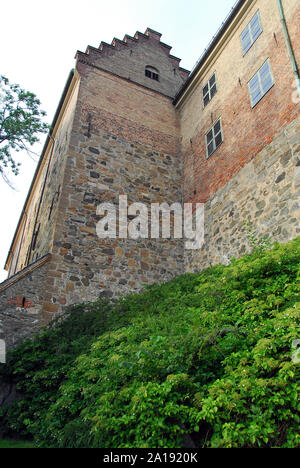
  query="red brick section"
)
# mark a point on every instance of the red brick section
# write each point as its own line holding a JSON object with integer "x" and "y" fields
{"x": 128, "y": 110}
{"x": 130, "y": 131}
{"x": 20, "y": 302}
{"x": 246, "y": 130}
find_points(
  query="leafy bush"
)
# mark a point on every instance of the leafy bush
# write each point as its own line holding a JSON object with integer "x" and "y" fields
{"x": 206, "y": 356}
{"x": 38, "y": 366}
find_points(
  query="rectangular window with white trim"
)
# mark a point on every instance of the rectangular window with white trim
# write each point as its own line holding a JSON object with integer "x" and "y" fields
{"x": 261, "y": 83}
{"x": 209, "y": 90}
{"x": 214, "y": 138}
{"x": 251, "y": 33}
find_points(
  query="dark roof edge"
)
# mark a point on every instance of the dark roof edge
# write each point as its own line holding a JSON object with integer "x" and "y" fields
{"x": 63, "y": 96}
{"x": 233, "y": 13}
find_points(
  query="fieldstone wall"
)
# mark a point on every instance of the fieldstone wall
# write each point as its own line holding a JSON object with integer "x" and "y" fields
{"x": 116, "y": 137}
{"x": 42, "y": 220}
{"x": 22, "y": 303}
{"x": 125, "y": 141}
{"x": 265, "y": 193}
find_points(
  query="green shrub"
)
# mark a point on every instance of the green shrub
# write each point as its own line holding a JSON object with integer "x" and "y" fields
{"x": 206, "y": 355}
{"x": 38, "y": 367}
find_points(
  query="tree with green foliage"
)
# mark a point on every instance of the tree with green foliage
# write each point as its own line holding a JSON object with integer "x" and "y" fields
{"x": 20, "y": 124}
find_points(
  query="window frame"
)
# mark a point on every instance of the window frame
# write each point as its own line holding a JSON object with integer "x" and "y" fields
{"x": 214, "y": 137}
{"x": 248, "y": 27}
{"x": 153, "y": 73}
{"x": 259, "y": 79}
{"x": 209, "y": 89}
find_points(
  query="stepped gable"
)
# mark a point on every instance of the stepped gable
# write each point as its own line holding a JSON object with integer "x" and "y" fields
{"x": 128, "y": 58}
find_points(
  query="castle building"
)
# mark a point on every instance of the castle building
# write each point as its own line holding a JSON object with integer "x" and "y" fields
{"x": 132, "y": 122}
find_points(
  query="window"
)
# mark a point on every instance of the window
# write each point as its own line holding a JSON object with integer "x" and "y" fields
{"x": 152, "y": 73}
{"x": 209, "y": 90}
{"x": 261, "y": 83}
{"x": 214, "y": 138}
{"x": 251, "y": 33}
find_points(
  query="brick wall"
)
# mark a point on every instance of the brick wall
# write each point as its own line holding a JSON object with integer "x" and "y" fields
{"x": 125, "y": 140}
{"x": 246, "y": 130}
{"x": 250, "y": 177}
{"x": 129, "y": 58}
{"x": 264, "y": 196}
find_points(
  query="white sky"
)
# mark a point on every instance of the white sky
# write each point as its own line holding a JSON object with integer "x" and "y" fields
{"x": 38, "y": 42}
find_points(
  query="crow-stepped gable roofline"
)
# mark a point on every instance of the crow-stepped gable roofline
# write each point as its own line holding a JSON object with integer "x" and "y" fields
{"x": 118, "y": 43}
{"x": 128, "y": 58}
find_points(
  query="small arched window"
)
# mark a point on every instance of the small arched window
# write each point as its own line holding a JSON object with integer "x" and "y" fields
{"x": 152, "y": 73}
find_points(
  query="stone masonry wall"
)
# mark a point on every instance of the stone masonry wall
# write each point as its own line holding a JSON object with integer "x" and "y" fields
{"x": 125, "y": 141}
{"x": 46, "y": 218}
{"x": 115, "y": 138}
{"x": 49, "y": 208}
{"x": 265, "y": 193}
{"x": 21, "y": 303}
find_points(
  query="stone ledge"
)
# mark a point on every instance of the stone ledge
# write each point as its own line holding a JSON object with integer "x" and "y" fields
{"x": 26, "y": 271}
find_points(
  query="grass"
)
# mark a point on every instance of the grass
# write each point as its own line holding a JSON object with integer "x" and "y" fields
{"x": 11, "y": 443}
